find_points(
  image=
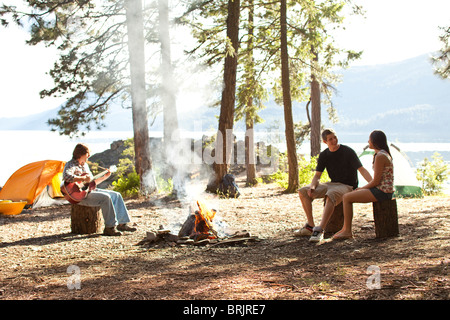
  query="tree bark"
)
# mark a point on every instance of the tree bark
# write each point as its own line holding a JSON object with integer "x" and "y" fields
{"x": 85, "y": 220}
{"x": 250, "y": 151}
{"x": 226, "y": 119}
{"x": 315, "y": 108}
{"x": 336, "y": 221}
{"x": 168, "y": 83}
{"x": 175, "y": 167}
{"x": 249, "y": 121}
{"x": 287, "y": 102}
{"x": 135, "y": 29}
{"x": 386, "y": 218}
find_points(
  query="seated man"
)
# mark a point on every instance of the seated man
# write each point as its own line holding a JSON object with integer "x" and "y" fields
{"x": 111, "y": 202}
{"x": 342, "y": 165}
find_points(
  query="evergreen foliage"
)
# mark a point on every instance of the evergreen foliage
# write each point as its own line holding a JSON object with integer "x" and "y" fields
{"x": 442, "y": 60}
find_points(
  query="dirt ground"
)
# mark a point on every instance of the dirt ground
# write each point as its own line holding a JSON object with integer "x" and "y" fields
{"x": 41, "y": 259}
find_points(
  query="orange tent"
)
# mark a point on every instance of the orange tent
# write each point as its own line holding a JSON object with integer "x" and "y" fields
{"x": 29, "y": 181}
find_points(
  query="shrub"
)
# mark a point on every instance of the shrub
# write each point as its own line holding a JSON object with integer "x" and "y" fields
{"x": 164, "y": 186}
{"x": 306, "y": 171}
{"x": 128, "y": 182}
{"x": 280, "y": 177}
{"x": 128, "y": 185}
{"x": 433, "y": 174}
{"x": 126, "y": 162}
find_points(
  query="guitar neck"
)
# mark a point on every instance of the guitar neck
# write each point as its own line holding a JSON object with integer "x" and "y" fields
{"x": 101, "y": 174}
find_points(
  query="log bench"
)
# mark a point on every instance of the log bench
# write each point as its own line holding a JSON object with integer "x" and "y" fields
{"x": 384, "y": 215}
{"x": 86, "y": 220}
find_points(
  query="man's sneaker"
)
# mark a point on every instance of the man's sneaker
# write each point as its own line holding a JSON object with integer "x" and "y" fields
{"x": 317, "y": 235}
{"x": 306, "y": 231}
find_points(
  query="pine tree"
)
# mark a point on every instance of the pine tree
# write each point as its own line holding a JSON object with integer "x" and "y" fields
{"x": 251, "y": 92}
{"x": 442, "y": 60}
{"x": 226, "y": 118}
{"x": 101, "y": 45}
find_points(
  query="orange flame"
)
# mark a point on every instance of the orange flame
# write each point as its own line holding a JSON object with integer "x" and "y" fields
{"x": 203, "y": 220}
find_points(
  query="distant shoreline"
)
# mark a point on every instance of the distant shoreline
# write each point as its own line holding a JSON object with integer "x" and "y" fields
{"x": 26, "y": 146}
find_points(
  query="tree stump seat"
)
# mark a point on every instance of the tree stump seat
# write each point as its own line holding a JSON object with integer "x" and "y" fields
{"x": 386, "y": 218}
{"x": 384, "y": 214}
{"x": 336, "y": 221}
{"x": 86, "y": 220}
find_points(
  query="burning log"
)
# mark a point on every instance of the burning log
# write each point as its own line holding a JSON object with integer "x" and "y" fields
{"x": 203, "y": 220}
{"x": 199, "y": 224}
{"x": 187, "y": 227}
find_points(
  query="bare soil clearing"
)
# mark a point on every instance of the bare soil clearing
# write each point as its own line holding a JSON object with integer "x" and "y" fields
{"x": 36, "y": 249}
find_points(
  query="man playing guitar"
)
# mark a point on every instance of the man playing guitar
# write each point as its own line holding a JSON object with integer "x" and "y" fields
{"x": 77, "y": 174}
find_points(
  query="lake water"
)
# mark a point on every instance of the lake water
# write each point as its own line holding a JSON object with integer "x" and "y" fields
{"x": 22, "y": 147}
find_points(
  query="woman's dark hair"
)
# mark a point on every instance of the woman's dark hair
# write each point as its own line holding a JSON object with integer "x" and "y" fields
{"x": 80, "y": 150}
{"x": 379, "y": 141}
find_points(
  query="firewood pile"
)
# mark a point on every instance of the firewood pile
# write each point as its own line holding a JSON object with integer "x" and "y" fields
{"x": 198, "y": 230}
{"x": 164, "y": 236}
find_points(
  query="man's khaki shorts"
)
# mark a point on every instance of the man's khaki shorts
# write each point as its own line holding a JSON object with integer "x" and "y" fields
{"x": 333, "y": 190}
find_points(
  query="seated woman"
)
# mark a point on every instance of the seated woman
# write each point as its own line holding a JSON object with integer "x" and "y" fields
{"x": 380, "y": 188}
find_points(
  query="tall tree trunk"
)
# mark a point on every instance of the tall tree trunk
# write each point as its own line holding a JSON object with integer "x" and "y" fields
{"x": 175, "y": 167}
{"x": 315, "y": 107}
{"x": 250, "y": 151}
{"x": 135, "y": 29}
{"x": 249, "y": 121}
{"x": 226, "y": 119}
{"x": 168, "y": 83}
{"x": 287, "y": 102}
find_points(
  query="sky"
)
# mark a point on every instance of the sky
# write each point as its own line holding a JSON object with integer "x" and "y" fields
{"x": 392, "y": 30}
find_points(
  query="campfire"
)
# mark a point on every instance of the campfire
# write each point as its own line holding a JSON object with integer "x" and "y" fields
{"x": 198, "y": 229}
{"x": 203, "y": 224}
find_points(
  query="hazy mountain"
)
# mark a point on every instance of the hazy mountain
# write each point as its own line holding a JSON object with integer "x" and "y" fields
{"x": 404, "y": 99}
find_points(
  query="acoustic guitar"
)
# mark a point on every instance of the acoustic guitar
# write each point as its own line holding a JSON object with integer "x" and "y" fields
{"x": 74, "y": 192}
